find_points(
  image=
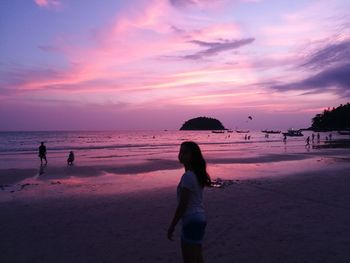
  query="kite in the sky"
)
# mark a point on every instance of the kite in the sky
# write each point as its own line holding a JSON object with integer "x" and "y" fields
{"x": 250, "y": 117}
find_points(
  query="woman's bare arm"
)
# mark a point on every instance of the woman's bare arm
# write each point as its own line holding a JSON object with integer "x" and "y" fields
{"x": 180, "y": 210}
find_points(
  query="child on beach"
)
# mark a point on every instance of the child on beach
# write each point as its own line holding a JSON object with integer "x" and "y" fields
{"x": 70, "y": 159}
{"x": 190, "y": 207}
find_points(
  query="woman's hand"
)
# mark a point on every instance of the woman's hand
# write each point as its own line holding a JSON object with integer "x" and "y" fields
{"x": 171, "y": 230}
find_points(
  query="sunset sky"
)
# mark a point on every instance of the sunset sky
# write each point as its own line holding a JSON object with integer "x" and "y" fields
{"x": 153, "y": 64}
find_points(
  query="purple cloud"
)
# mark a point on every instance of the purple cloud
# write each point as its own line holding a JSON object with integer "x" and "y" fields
{"x": 180, "y": 3}
{"x": 48, "y": 3}
{"x": 335, "y": 79}
{"x": 51, "y": 48}
{"x": 12, "y": 78}
{"x": 332, "y": 66}
{"x": 331, "y": 54}
{"x": 213, "y": 48}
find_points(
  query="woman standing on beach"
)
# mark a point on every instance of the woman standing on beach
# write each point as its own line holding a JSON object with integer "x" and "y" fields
{"x": 190, "y": 207}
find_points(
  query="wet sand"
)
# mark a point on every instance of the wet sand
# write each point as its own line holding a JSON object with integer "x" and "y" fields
{"x": 266, "y": 214}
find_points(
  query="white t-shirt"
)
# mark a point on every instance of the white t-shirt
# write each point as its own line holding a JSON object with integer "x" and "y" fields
{"x": 195, "y": 205}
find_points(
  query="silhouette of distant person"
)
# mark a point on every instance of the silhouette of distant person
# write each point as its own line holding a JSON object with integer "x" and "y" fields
{"x": 42, "y": 153}
{"x": 318, "y": 137}
{"x": 70, "y": 159}
{"x": 308, "y": 141}
{"x": 313, "y": 137}
{"x": 190, "y": 207}
{"x": 284, "y": 138}
{"x": 330, "y": 136}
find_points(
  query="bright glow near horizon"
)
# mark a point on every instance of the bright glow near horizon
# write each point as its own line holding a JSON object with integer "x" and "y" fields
{"x": 153, "y": 64}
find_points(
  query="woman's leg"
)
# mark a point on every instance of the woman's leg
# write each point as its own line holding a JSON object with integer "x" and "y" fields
{"x": 200, "y": 258}
{"x": 193, "y": 229}
{"x": 189, "y": 252}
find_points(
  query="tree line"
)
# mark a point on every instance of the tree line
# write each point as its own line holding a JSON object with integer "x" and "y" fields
{"x": 333, "y": 119}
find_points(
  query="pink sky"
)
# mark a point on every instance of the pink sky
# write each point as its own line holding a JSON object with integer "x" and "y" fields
{"x": 154, "y": 64}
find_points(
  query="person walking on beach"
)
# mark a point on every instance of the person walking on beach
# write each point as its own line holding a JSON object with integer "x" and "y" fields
{"x": 307, "y": 141}
{"x": 285, "y": 138}
{"x": 70, "y": 159}
{"x": 318, "y": 138}
{"x": 313, "y": 137}
{"x": 42, "y": 153}
{"x": 190, "y": 207}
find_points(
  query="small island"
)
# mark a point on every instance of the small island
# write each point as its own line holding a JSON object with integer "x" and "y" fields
{"x": 202, "y": 123}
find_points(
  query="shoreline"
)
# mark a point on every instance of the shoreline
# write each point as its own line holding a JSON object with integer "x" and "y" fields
{"x": 10, "y": 176}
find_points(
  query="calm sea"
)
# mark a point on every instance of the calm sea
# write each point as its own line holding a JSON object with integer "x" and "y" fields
{"x": 20, "y": 149}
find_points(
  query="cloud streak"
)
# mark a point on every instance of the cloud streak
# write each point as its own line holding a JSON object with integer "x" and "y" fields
{"x": 328, "y": 70}
{"x": 48, "y": 3}
{"x": 214, "y": 48}
{"x": 199, "y": 3}
{"x": 332, "y": 54}
{"x": 334, "y": 80}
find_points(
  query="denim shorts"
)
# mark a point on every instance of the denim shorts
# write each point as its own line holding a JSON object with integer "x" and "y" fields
{"x": 193, "y": 228}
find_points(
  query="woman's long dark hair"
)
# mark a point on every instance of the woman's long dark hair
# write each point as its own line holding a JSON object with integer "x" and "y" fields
{"x": 198, "y": 163}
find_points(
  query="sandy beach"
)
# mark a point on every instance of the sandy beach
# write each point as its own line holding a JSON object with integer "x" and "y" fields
{"x": 273, "y": 208}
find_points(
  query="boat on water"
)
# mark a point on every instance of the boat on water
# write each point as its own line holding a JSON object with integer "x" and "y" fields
{"x": 293, "y": 133}
{"x": 242, "y": 131}
{"x": 218, "y": 131}
{"x": 344, "y": 132}
{"x": 270, "y": 131}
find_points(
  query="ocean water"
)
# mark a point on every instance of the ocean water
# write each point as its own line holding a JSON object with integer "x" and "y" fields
{"x": 20, "y": 149}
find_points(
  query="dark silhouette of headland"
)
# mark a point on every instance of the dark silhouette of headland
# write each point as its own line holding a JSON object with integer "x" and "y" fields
{"x": 202, "y": 123}
{"x": 332, "y": 119}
